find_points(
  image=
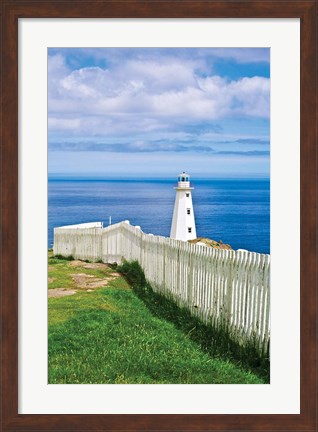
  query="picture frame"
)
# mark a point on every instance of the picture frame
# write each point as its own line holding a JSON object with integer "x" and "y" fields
{"x": 12, "y": 11}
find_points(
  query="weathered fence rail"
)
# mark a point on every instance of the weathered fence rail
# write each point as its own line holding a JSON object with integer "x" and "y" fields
{"x": 225, "y": 288}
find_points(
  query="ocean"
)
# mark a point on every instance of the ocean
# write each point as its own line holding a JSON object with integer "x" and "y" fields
{"x": 236, "y": 211}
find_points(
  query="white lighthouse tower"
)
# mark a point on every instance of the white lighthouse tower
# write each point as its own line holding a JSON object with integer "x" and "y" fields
{"x": 183, "y": 224}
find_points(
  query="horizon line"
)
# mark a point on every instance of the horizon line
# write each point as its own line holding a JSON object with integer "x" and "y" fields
{"x": 53, "y": 176}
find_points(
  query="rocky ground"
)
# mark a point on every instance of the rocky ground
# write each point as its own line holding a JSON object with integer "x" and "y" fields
{"x": 211, "y": 243}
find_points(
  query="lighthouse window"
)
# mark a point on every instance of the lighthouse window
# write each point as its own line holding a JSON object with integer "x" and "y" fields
{"x": 187, "y": 195}
{"x": 188, "y": 211}
{"x": 189, "y": 230}
{"x": 183, "y": 179}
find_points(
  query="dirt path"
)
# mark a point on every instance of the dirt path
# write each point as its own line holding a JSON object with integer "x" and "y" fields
{"x": 84, "y": 281}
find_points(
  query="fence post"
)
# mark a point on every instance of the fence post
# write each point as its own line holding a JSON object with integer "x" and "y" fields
{"x": 221, "y": 287}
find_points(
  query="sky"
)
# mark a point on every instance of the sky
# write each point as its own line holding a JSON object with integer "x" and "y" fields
{"x": 155, "y": 112}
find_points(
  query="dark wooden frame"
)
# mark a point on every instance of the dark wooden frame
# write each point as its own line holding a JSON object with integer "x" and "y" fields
{"x": 12, "y": 10}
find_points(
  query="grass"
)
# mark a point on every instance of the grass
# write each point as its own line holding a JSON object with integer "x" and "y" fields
{"x": 112, "y": 335}
{"x": 218, "y": 343}
{"x": 60, "y": 272}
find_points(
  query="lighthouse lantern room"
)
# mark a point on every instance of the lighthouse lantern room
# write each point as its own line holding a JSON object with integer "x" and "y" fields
{"x": 183, "y": 223}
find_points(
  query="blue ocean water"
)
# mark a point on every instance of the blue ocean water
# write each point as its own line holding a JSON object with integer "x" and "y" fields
{"x": 236, "y": 211}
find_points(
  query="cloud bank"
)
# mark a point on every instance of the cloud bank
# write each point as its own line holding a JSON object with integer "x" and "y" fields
{"x": 143, "y": 147}
{"x": 147, "y": 96}
{"x": 213, "y": 102}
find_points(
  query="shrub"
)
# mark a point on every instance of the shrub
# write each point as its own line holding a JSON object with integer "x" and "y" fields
{"x": 133, "y": 273}
{"x": 62, "y": 257}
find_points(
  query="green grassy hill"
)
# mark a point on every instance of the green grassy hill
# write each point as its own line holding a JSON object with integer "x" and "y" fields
{"x": 101, "y": 331}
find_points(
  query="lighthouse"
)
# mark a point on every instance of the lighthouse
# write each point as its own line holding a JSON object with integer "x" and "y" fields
{"x": 183, "y": 223}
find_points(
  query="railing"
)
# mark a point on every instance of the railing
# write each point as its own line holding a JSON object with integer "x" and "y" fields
{"x": 225, "y": 288}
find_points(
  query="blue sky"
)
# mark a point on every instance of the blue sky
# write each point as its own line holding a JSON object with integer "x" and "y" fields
{"x": 120, "y": 112}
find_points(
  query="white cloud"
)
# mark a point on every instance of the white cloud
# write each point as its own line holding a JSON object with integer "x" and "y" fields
{"x": 147, "y": 95}
{"x": 63, "y": 123}
{"x": 57, "y": 70}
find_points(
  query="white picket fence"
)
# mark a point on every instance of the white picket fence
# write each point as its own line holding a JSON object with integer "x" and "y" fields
{"x": 225, "y": 288}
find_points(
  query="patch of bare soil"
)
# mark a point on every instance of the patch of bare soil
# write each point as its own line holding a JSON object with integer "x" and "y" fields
{"x": 50, "y": 268}
{"x": 98, "y": 283}
{"x": 81, "y": 278}
{"x": 114, "y": 274}
{"x": 95, "y": 265}
{"x": 85, "y": 281}
{"x": 60, "y": 292}
{"x": 50, "y": 279}
{"x": 78, "y": 263}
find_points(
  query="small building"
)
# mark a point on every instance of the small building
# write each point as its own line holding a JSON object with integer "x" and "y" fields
{"x": 183, "y": 222}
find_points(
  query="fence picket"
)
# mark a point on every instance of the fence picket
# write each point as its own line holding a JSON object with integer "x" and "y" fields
{"x": 218, "y": 286}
